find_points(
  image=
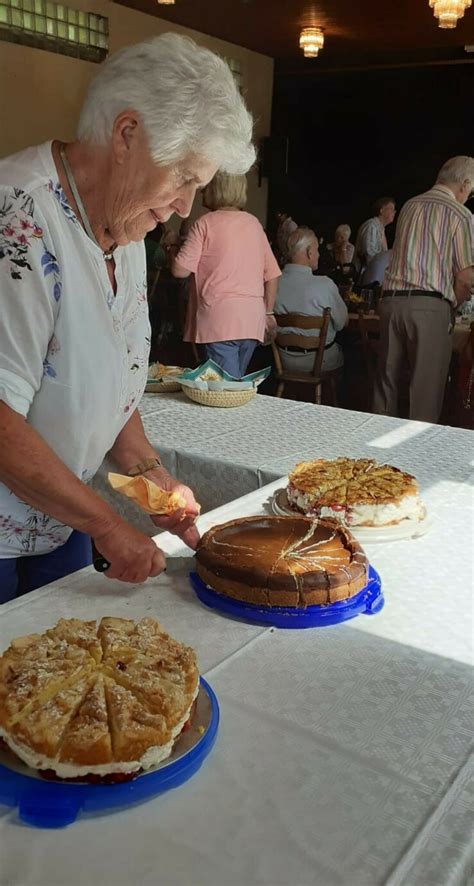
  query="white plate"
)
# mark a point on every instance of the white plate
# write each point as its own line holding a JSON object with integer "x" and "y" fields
{"x": 406, "y": 529}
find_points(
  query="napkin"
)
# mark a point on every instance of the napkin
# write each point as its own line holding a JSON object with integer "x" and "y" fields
{"x": 211, "y": 377}
{"x": 150, "y": 497}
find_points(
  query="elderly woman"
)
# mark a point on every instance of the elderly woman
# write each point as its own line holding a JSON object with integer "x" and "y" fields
{"x": 230, "y": 308}
{"x": 158, "y": 121}
{"x": 341, "y": 249}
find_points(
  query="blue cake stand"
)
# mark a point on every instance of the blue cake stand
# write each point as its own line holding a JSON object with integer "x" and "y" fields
{"x": 369, "y": 601}
{"x": 55, "y": 804}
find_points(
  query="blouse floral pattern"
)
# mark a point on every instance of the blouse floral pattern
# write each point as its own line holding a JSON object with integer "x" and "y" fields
{"x": 74, "y": 355}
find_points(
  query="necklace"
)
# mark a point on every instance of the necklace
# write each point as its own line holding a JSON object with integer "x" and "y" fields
{"x": 109, "y": 253}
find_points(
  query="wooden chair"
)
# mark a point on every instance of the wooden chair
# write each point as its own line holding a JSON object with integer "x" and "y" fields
{"x": 294, "y": 340}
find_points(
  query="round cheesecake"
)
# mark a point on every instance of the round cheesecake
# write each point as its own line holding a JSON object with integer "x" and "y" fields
{"x": 282, "y": 561}
{"x": 356, "y": 491}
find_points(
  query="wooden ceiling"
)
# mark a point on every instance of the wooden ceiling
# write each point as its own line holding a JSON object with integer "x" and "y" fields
{"x": 355, "y": 30}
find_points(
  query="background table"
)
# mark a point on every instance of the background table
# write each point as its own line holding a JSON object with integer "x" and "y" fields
{"x": 226, "y": 453}
{"x": 343, "y": 753}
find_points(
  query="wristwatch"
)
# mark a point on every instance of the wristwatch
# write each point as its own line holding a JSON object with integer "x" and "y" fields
{"x": 148, "y": 464}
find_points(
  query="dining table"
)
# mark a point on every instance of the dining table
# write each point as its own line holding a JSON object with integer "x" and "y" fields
{"x": 225, "y": 453}
{"x": 344, "y": 753}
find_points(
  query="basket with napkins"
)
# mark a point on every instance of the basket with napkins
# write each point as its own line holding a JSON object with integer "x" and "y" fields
{"x": 210, "y": 385}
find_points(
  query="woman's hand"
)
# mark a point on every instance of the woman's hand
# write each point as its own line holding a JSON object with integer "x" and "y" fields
{"x": 133, "y": 557}
{"x": 182, "y": 521}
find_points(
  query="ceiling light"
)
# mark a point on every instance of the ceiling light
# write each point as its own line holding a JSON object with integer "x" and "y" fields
{"x": 166, "y": 2}
{"x": 448, "y": 11}
{"x": 311, "y": 41}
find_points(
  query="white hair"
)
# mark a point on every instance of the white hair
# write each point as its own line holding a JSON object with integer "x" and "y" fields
{"x": 186, "y": 98}
{"x": 344, "y": 229}
{"x": 300, "y": 240}
{"x": 457, "y": 170}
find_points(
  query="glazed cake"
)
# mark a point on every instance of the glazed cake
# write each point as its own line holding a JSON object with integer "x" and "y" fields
{"x": 88, "y": 700}
{"x": 357, "y": 491}
{"x": 282, "y": 561}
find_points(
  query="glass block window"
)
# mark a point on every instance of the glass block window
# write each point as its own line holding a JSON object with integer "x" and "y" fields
{"x": 55, "y": 27}
{"x": 236, "y": 68}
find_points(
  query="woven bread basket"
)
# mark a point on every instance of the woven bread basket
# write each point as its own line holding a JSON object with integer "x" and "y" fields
{"x": 162, "y": 387}
{"x": 220, "y": 398}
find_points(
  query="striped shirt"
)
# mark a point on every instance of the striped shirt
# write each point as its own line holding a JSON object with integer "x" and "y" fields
{"x": 434, "y": 241}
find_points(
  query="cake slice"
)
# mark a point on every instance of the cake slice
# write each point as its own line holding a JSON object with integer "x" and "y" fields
{"x": 25, "y": 682}
{"x": 80, "y": 633}
{"x": 87, "y": 739}
{"x": 161, "y": 696}
{"x": 134, "y": 728}
{"x": 119, "y": 634}
{"x": 40, "y": 728}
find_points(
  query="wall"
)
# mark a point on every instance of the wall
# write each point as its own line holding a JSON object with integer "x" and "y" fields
{"x": 41, "y": 92}
{"x": 357, "y": 136}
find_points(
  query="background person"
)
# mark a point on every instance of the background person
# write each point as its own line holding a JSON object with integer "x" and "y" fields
{"x": 430, "y": 275}
{"x": 300, "y": 292}
{"x": 371, "y": 239}
{"x": 230, "y": 308}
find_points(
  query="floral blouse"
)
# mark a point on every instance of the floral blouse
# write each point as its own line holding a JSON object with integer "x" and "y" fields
{"x": 73, "y": 356}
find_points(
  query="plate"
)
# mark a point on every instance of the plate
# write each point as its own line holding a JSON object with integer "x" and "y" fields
{"x": 55, "y": 804}
{"x": 369, "y": 601}
{"x": 278, "y": 505}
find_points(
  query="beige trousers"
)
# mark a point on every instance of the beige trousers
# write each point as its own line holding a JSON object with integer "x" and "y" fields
{"x": 414, "y": 334}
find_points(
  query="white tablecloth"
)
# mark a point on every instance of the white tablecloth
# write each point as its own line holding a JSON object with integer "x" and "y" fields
{"x": 226, "y": 453}
{"x": 343, "y": 753}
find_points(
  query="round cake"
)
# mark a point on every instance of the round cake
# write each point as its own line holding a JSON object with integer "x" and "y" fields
{"x": 106, "y": 701}
{"x": 282, "y": 561}
{"x": 356, "y": 491}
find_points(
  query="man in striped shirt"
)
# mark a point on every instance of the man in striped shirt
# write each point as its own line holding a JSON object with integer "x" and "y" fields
{"x": 430, "y": 275}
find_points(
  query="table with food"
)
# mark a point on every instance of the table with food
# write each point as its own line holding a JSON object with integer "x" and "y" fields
{"x": 289, "y": 704}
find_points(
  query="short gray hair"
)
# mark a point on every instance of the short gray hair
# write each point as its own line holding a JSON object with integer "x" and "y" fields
{"x": 344, "y": 229}
{"x": 185, "y": 96}
{"x": 300, "y": 240}
{"x": 457, "y": 170}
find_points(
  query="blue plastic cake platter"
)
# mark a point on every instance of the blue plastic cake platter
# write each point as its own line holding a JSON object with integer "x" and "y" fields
{"x": 369, "y": 601}
{"x": 55, "y": 804}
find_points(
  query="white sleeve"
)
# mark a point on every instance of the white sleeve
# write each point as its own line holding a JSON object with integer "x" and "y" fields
{"x": 30, "y": 290}
{"x": 338, "y": 307}
{"x": 371, "y": 240}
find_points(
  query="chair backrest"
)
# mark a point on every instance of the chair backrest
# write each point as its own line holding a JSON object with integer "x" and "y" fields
{"x": 295, "y": 340}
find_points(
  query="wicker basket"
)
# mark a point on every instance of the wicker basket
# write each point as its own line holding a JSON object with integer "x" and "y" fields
{"x": 162, "y": 387}
{"x": 219, "y": 398}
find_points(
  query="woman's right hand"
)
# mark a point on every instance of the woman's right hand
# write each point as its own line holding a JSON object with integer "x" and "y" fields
{"x": 133, "y": 556}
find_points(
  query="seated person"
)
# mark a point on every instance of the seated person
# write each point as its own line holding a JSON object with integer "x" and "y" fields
{"x": 301, "y": 293}
{"x": 341, "y": 248}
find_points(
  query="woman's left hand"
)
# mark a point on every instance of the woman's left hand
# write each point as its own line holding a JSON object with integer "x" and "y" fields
{"x": 183, "y": 521}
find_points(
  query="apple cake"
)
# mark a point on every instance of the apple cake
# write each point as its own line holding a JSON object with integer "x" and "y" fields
{"x": 357, "y": 491}
{"x": 96, "y": 700}
{"x": 282, "y": 561}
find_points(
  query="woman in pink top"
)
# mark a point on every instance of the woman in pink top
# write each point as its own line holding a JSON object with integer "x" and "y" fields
{"x": 235, "y": 275}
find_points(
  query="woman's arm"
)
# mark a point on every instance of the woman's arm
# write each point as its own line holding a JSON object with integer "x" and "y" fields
{"x": 30, "y": 468}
